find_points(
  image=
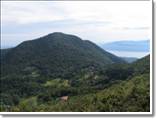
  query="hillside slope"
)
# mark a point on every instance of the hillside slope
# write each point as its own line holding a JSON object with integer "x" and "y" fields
{"x": 56, "y": 55}
{"x": 127, "y": 94}
{"x": 36, "y": 75}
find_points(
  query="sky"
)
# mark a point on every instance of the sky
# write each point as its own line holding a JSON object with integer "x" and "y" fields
{"x": 97, "y": 21}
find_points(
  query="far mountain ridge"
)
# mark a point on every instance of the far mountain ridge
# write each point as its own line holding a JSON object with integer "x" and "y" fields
{"x": 131, "y": 46}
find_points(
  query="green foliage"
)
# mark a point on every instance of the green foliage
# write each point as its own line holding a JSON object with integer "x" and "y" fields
{"x": 119, "y": 71}
{"x": 55, "y": 55}
{"x": 27, "y": 105}
{"x": 57, "y": 83}
{"x": 142, "y": 65}
{"x": 36, "y": 74}
{"x": 130, "y": 95}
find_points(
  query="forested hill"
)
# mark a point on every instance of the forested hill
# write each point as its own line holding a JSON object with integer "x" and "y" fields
{"x": 119, "y": 87}
{"x": 63, "y": 73}
{"x": 142, "y": 65}
{"x": 56, "y": 54}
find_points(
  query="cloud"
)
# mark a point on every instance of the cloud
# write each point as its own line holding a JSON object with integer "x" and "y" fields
{"x": 117, "y": 12}
{"x": 136, "y": 28}
{"x": 29, "y": 12}
{"x": 99, "y": 21}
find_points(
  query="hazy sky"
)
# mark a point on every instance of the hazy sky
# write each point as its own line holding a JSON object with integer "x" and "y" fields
{"x": 98, "y": 21}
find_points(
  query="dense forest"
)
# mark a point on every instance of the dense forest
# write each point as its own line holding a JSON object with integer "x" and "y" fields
{"x": 63, "y": 73}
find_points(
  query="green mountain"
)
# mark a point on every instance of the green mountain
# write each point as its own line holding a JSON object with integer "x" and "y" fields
{"x": 142, "y": 65}
{"x": 56, "y": 55}
{"x": 61, "y": 73}
{"x": 3, "y": 52}
{"x": 119, "y": 88}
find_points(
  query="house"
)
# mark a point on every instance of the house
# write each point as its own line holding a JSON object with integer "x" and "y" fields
{"x": 64, "y": 98}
